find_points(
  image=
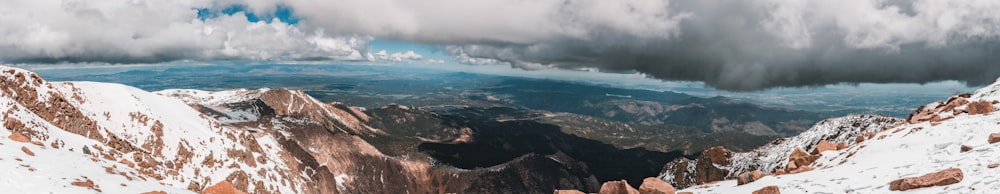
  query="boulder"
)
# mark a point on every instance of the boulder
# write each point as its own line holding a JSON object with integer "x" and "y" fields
{"x": 994, "y": 138}
{"x": 654, "y": 185}
{"x": 823, "y": 146}
{"x": 617, "y": 187}
{"x": 841, "y": 145}
{"x": 994, "y": 165}
{"x": 979, "y": 107}
{"x": 748, "y": 177}
{"x": 768, "y": 190}
{"x": 940, "y": 178}
{"x": 27, "y": 151}
{"x": 568, "y": 192}
{"x": 965, "y": 148}
{"x": 859, "y": 139}
{"x": 223, "y": 187}
{"x": 18, "y": 137}
{"x": 801, "y": 158}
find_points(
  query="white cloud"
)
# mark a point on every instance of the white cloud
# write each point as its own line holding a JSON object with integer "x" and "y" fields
{"x": 153, "y": 31}
{"x": 382, "y": 55}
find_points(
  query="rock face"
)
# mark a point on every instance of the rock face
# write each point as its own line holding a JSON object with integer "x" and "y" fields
{"x": 748, "y": 177}
{"x": 940, "y": 178}
{"x": 768, "y": 190}
{"x": 994, "y": 138}
{"x": 617, "y": 187}
{"x": 654, "y": 185}
{"x": 705, "y": 166}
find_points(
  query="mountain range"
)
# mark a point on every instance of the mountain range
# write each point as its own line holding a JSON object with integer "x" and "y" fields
{"x": 92, "y": 137}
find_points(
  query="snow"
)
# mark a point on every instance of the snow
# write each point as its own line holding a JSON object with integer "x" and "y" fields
{"x": 905, "y": 151}
{"x": 119, "y": 110}
{"x": 773, "y": 156}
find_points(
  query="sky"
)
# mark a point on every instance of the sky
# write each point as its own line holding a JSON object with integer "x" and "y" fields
{"x": 749, "y": 45}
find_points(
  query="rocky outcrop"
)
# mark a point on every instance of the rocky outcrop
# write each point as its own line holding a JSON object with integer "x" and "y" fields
{"x": 980, "y": 107}
{"x": 799, "y": 160}
{"x": 768, "y": 190}
{"x": 705, "y": 168}
{"x": 617, "y": 187}
{"x": 748, "y": 177}
{"x": 940, "y": 178}
{"x": 993, "y": 138}
{"x": 793, "y": 153}
{"x": 653, "y": 185}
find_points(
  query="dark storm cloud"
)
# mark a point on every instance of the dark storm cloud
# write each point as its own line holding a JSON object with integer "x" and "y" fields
{"x": 750, "y": 45}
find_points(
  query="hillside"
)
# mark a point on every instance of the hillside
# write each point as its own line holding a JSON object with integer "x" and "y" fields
{"x": 946, "y": 146}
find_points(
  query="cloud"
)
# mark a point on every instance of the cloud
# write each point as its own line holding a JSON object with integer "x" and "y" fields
{"x": 125, "y": 31}
{"x": 409, "y": 55}
{"x": 733, "y": 45}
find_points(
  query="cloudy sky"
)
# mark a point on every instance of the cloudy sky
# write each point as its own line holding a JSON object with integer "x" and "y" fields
{"x": 731, "y": 45}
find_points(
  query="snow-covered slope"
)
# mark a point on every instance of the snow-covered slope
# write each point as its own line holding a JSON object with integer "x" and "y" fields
{"x": 86, "y": 137}
{"x": 156, "y": 141}
{"x": 906, "y": 150}
{"x": 773, "y": 156}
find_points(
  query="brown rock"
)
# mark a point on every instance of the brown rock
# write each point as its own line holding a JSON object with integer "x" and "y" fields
{"x": 869, "y": 135}
{"x": 801, "y": 158}
{"x": 567, "y": 192}
{"x": 823, "y": 146}
{"x": 779, "y": 172}
{"x": 223, "y": 187}
{"x": 18, "y": 137}
{"x": 994, "y": 138}
{"x": 940, "y": 178}
{"x": 87, "y": 183}
{"x": 768, "y": 190}
{"x": 748, "y": 177}
{"x": 859, "y": 139}
{"x": 966, "y": 148}
{"x": 616, "y": 187}
{"x": 800, "y": 169}
{"x": 994, "y": 165}
{"x": 127, "y": 163}
{"x": 654, "y": 185}
{"x": 27, "y": 151}
{"x": 980, "y": 107}
{"x": 841, "y": 145}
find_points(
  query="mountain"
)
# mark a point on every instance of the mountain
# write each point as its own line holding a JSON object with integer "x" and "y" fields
{"x": 84, "y": 137}
{"x": 943, "y": 147}
{"x": 90, "y": 137}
